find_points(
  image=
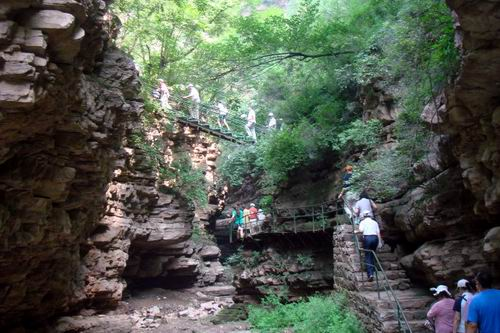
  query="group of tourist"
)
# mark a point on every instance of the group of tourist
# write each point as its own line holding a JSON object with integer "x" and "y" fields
{"x": 247, "y": 220}
{"x": 475, "y": 309}
{"x": 163, "y": 94}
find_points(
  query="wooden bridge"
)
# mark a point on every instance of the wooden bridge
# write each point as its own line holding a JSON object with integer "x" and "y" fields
{"x": 287, "y": 220}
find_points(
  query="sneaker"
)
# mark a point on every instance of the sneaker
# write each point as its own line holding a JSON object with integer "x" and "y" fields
{"x": 370, "y": 279}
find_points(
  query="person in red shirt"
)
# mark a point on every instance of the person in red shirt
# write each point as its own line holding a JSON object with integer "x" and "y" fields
{"x": 253, "y": 218}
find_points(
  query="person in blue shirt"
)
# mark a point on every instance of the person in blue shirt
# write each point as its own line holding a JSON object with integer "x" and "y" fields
{"x": 484, "y": 309}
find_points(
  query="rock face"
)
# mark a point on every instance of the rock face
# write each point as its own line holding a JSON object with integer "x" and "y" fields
{"x": 289, "y": 266}
{"x": 63, "y": 119}
{"x": 80, "y": 206}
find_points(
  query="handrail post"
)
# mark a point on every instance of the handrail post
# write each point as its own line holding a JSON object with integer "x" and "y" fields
{"x": 230, "y": 232}
{"x": 376, "y": 275}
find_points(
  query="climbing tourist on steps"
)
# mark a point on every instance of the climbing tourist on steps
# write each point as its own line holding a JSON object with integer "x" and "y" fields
{"x": 349, "y": 197}
{"x": 250, "y": 125}
{"x": 461, "y": 307}
{"x": 440, "y": 316}
{"x": 364, "y": 204}
{"x": 164, "y": 95}
{"x": 194, "y": 97}
{"x": 223, "y": 111}
{"x": 272, "y": 122}
{"x": 484, "y": 310}
{"x": 252, "y": 218}
{"x": 371, "y": 240}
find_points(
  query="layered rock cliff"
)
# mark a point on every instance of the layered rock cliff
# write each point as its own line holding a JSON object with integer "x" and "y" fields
{"x": 81, "y": 209}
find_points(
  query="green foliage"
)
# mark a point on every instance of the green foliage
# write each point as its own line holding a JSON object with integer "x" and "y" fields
{"x": 305, "y": 260}
{"x": 188, "y": 181}
{"x": 244, "y": 259}
{"x": 236, "y": 163}
{"x": 266, "y": 202}
{"x": 319, "y": 314}
{"x": 359, "y": 135}
{"x": 385, "y": 176}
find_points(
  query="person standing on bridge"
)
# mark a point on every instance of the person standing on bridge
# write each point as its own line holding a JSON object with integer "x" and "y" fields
{"x": 272, "y": 122}
{"x": 371, "y": 240}
{"x": 223, "y": 111}
{"x": 441, "y": 313}
{"x": 237, "y": 219}
{"x": 252, "y": 218}
{"x": 164, "y": 95}
{"x": 246, "y": 220}
{"x": 194, "y": 96}
{"x": 250, "y": 125}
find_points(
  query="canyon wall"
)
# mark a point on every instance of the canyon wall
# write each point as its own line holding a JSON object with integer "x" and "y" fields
{"x": 82, "y": 211}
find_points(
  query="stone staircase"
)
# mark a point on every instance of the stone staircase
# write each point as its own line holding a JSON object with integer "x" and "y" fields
{"x": 372, "y": 301}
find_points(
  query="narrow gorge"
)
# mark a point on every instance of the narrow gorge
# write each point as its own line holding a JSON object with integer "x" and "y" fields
{"x": 115, "y": 211}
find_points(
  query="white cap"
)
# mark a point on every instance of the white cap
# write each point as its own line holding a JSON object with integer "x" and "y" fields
{"x": 260, "y": 210}
{"x": 462, "y": 283}
{"x": 366, "y": 213}
{"x": 252, "y": 205}
{"x": 190, "y": 85}
{"x": 439, "y": 289}
{"x": 271, "y": 114}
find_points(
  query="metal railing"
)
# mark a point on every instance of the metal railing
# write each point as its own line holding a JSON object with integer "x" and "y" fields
{"x": 403, "y": 324}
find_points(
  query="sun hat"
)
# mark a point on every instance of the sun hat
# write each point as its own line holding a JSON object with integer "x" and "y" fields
{"x": 252, "y": 205}
{"x": 462, "y": 283}
{"x": 439, "y": 289}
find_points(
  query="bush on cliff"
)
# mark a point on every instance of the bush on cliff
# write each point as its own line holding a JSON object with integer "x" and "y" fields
{"x": 319, "y": 314}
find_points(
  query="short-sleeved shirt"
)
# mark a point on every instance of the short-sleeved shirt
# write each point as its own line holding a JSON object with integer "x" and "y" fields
{"x": 462, "y": 306}
{"x": 369, "y": 227}
{"x": 194, "y": 95}
{"x": 238, "y": 217}
{"x": 484, "y": 310}
{"x": 246, "y": 215}
{"x": 222, "y": 109}
{"x": 253, "y": 213}
{"x": 364, "y": 205}
{"x": 441, "y": 313}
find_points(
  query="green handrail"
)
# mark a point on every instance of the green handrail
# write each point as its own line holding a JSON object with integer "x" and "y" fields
{"x": 403, "y": 324}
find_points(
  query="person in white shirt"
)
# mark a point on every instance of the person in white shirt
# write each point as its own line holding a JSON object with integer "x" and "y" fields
{"x": 261, "y": 217}
{"x": 272, "y": 121}
{"x": 371, "y": 240}
{"x": 194, "y": 96}
{"x": 461, "y": 306}
{"x": 223, "y": 111}
{"x": 250, "y": 125}
{"x": 164, "y": 94}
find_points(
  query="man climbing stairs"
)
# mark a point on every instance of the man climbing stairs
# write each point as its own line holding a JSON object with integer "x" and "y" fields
{"x": 387, "y": 304}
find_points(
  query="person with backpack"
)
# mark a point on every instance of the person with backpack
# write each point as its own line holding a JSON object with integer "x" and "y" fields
{"x": 461, "y": 307}
{"x": 364, "y": 204}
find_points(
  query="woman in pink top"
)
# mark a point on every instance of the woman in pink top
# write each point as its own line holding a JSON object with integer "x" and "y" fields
{"x": 441, "y": 314}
